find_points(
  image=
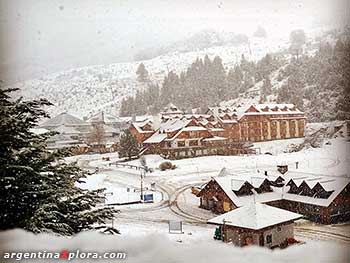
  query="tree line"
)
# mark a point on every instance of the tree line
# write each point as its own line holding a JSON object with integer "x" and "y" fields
{"x": 205, "y": 83}
{"x": 305, "y": 80}
{"x": 319, "y": 83}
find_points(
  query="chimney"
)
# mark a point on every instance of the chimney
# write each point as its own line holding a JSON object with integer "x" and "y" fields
{"x": 133, "y": 118}
{"x": 265, "y": 173}
{"x": 282, "y": 168}
{"x": 156, "y": 122}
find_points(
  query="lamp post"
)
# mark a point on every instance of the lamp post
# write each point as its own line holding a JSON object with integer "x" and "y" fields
{"x": 141, "y": 169}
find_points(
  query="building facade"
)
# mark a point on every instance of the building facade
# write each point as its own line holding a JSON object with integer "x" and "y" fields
{"x": 319, "y": 198}
{"x": 257, "y": 224}
{"x": 261, "y": 122}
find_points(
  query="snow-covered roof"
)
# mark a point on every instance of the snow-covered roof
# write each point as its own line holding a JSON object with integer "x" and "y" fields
{"x": 228, "y": 121}
{"x": 67, "y": 130}
{"x": 173, "y": 125}
{"x": 232, "y": 182}
{"x": 156, "y": 138}
{"x": 194, "y": 128}
{"x": 261, "y": 109}
{"x": 39, "y": 131}
{"x": 138, "y": 126}
{"x": 104, "y": 117}
{"x": 255, "y": 216}
{"x": 141, "y": 118}
{"x": 64, "y": 119}
{"x": 216, "y": 129}
{"x": 215, "y": 138}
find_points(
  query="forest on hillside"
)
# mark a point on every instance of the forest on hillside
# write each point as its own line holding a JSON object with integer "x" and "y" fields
{"x": 306, "y": 80}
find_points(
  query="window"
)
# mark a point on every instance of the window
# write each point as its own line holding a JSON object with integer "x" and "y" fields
{"x": 269, "y": 239}
{"x": 181, "y": 144}
{"x": 193, "y": 143}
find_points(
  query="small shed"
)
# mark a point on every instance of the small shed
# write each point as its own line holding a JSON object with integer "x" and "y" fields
{"x": 257, "y": 224}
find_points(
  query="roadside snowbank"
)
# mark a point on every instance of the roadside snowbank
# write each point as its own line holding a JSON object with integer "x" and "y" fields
{"x": 160, "y": 248}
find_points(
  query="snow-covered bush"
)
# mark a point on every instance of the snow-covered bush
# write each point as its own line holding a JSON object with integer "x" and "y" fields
{"x": 167, "y": 166}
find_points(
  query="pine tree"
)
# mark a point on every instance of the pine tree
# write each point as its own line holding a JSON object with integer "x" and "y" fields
{"x": 142, "y": 73}
{"x": 38, "y": 189}
{"x": 297, "y": 40}
{"x": 128, "y": 145}
{"x": 266, "y": 88}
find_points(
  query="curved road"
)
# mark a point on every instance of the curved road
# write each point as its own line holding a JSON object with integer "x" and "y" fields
{"x": 171, "y": 195}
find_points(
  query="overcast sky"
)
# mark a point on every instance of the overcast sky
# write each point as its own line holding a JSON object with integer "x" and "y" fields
{"x": 42, "y": 36}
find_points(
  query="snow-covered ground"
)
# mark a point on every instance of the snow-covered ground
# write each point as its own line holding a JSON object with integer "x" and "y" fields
{"x": 140, "y": 222}
{"x": 144, "y": 227}
{"x": 148, "y": 245}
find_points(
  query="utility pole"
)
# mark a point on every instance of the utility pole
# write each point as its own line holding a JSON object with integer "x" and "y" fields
{"x": 141, "y": 184}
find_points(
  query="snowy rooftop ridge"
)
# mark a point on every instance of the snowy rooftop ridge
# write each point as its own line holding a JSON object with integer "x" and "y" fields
{"x": 232, "y": 182}
{"x": 104, "y": 117}
{"x": 255, "y": 216}
{"x": 261, "y": 109}
{"x": 64, "y": 118}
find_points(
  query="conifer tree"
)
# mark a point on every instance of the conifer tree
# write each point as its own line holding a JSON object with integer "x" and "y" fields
{"x": 142, "y": 73}
{"x": 128, "y": 145}
{"x": 38, "y": 190}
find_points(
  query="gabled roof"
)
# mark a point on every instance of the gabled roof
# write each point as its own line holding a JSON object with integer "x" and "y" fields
{"x": 104, "y": 117}
{"x": 156, "y": 138}
{"x": 254, "y": 109}
{"x": 64, "y": 119}
{"x": 139, "y": 125}
{"x": 67, "y": 130}
{"x": 173, "y": 125}
{"x": 330, "y": 184}
{"x": 255, "y": 216}
{"x": 38, "y": 131}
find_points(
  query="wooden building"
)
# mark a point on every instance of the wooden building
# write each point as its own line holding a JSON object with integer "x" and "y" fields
{"x": 257, "y": 224}
{"x": 142, "y": 130}
{"x": 95, "y": 134}
{"x": 218, "y": 132}
{"x": 319, "y": 198}
{"x": 189, "y": 137}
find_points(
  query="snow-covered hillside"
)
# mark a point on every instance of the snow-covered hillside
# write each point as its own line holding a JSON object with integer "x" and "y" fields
{"x": 84, "y": 91}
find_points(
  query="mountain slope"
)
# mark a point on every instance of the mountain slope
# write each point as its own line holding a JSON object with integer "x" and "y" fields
{"x": 84, "y": 91}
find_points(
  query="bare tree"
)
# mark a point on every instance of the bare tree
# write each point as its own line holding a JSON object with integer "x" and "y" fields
{"x": 97, "y": 135}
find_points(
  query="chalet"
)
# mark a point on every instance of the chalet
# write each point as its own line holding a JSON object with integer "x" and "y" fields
{"x": 257, "y": 224}
{"x": 142, "y": 130}
{"x": 180, "y": 138}
{"x": 67, "y": 120}
{"x": 77, "y": 134}
{"x": 105, "y": 126}
{"x": 72, "y": 132}
{"x": 225, "y": 131}
{"x": 107, "y": 119}
{"x": 319, "y": 198}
